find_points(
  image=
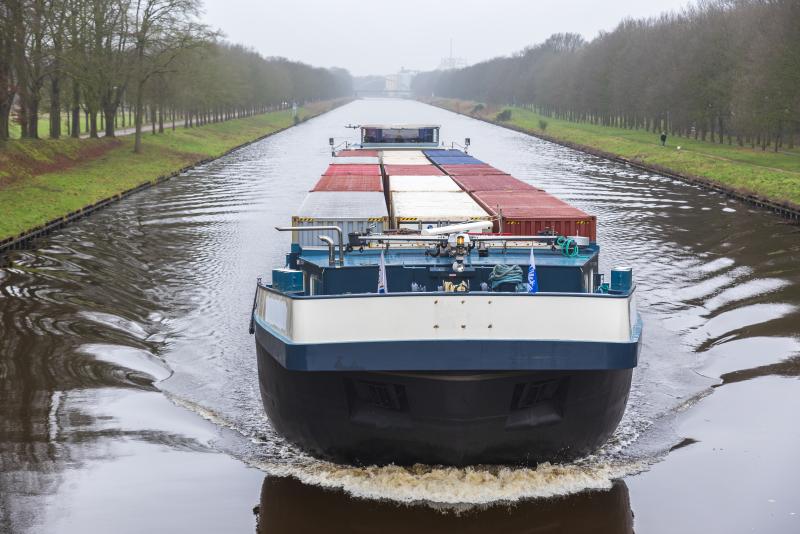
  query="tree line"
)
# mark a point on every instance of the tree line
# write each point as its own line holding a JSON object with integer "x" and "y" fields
{"x": 719, "y": 70}
{"x": 151, "y": 58}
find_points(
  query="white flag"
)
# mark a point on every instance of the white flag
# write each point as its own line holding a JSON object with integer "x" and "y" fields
{"x": 382, "y": 275}
{"x": 533, "y": 280}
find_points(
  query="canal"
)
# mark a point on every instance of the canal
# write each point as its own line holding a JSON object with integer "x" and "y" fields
{"x": 128, "y": 391}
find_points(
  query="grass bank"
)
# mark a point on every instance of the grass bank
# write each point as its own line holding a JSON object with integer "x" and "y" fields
{"x": 769, "y": 176}
{"x": 43, "y": 180}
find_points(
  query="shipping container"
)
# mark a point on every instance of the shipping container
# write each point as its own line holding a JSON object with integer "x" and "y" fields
{"x": 409, "y": 153}
{"x": 356, "y": 160}
{"x": 415, "y": 209}
{"x": 492, "y": 182}
{"x": 357, "y": 153}
{"x": 535, "y": 212}
{"x": 471, "y": 170}
{"x": 463, "y": 160}
{"x": 348, "y": 182}
{"x": 412, "y": 170}
{"x": 422, "y": 183}
{"x": 445, "y": 153}
{"x": 353, "y": 170}
{"x": 350, "y": 211}
{"x": 404, "y": 157}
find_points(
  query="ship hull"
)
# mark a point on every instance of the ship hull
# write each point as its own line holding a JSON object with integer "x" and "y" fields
{"x": 519, "y": 417}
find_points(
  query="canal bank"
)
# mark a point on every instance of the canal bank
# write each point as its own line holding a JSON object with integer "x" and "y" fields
{"x": 46, "y": 184}
{"x": 764, "y": 179}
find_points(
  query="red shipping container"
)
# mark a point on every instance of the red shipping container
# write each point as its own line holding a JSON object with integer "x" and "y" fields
{"x": 492, "y": 182}
{"x": 357, "y": 153}
{"x": 349, "y": 183}
{"x": 471, "y": 170}
{"x": 412, "y": 170}
{"x": 534, "y": 212}
{"x": 353, "y": 170}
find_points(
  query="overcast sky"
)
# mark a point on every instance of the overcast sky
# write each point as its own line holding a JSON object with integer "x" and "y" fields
{"x": 381, "y": 36}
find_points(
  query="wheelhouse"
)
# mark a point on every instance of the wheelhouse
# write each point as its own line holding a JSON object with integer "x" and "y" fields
{"x": 405, "y": 136}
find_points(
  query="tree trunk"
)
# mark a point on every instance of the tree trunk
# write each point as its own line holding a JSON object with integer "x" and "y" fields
{"x": 110, "y": 115}
{"x": 5, "y": 113}
{"x": 93, "y": 124}
{"x": 137, "y": 143}
{"x": 55, "y": 107}
{"x": 33, "y": 118}
{"x": 76, "y": 111}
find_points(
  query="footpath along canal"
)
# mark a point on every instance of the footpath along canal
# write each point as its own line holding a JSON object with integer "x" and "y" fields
{"x": 129, "y": 398}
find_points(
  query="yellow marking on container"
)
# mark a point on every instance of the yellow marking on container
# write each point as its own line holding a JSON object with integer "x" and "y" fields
{"x": 407, "y": 219}
{"x": 305, "y": 219}
{"x": 375, "y": 219}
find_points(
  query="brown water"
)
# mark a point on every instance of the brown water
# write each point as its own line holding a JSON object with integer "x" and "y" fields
{"x": 128, "y": 392}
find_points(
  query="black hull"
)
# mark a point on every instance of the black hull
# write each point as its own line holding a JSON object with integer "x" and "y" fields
{"x": 507, "y": 417}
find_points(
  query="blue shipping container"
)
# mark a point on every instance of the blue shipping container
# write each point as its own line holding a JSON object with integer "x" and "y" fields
{"x": 467, "y": 160}
{"x": 445, "y": 153}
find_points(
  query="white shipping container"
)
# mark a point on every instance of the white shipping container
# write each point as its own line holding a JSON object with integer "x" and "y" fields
{"x": 412, "y": 208}
{"x": 422, "y": 183}
{"x": 414, "y": 153}
{"x": 404, "y": 157}
{"x": 355, "y": 160}
{"x": 352, "y": 211}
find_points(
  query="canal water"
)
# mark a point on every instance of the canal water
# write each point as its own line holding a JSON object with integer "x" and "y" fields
{"x": 128, "y": 392}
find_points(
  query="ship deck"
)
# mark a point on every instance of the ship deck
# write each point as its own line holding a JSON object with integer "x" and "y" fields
{"x": 417, "y": 257}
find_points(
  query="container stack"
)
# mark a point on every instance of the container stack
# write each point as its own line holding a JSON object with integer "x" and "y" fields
{"x": 348, "y": 195}
{"x": 479, "y": 169}
{"x": 404, "y": 157}
{"x": 491, "y": 182}
{"x": 353, "y": 169}
{"x": 355, "y": 153}
{"x": 348, "y": 182}
{"x": 418, "y": 209}
{"x": 533, "y": 212}
{"x": 422, "y": 183}
{"x": 518, "y": 207}
{"x": 352, "y": 211}
{"x": 412, "y": 170}
{"x": 368, "y": 189}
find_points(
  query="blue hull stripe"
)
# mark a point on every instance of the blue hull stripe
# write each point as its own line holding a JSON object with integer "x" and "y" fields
{"x": 450, "y": 355}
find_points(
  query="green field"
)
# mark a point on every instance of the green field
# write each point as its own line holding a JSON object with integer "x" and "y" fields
{"x": 775, "y": 176}
{"x": 45, "y": 179}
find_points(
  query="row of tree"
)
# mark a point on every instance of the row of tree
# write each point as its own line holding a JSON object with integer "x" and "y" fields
{"x": 97, "y": 58}
{"x": 720, "y": 69}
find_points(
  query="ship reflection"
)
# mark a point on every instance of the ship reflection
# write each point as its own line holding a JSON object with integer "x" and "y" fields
{"x": 289, "y": 506}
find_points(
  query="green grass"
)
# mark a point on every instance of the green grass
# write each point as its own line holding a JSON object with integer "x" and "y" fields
{"x": 41, "y": 180}
{"x": 768, "y": 174}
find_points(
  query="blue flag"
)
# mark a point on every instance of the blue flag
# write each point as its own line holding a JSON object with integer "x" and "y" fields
{"x": 533, "y": 280}
{"x": 382, "y": 275}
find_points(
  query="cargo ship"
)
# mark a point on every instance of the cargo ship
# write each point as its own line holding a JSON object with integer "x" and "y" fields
{"x": 434, "y": 309}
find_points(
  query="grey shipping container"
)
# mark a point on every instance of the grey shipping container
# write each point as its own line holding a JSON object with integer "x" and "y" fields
{"x": 352, "y": 211}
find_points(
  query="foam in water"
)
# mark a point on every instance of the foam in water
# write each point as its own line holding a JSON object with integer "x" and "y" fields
{"x": 439, "y": 485}
{"x": 475, "y": 485}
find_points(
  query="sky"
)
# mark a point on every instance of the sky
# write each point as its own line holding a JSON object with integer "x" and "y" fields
{"x": 381, "y": 36}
